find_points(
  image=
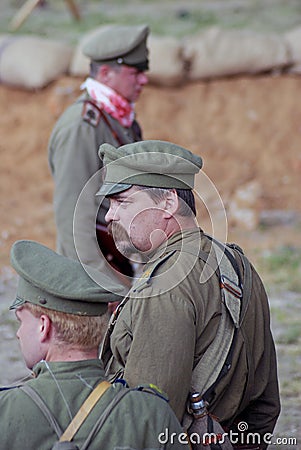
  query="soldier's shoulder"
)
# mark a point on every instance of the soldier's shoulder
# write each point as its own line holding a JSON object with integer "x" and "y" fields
{"x": 147, "y": 276}
{"x": 70, "y": 117}
{"x": 149, "y": 398}
{"x": 151, "y": 389}
{"x": 10, "y": 397}
{"x": 91, "y": 113}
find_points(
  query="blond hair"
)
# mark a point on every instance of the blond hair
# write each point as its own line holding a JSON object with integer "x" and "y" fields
{"x": 85, "y": 332}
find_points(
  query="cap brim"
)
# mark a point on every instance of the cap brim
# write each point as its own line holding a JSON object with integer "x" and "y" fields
{"x": 17, "y": 303}
{"x": 108, "y": 189}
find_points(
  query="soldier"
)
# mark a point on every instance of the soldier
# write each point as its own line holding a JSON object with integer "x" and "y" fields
{"x": 104, "y": 113}
{"x": 60, "y": 308}
{"x": 185, "y": 320}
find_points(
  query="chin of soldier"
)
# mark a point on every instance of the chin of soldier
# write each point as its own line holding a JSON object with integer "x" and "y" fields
{"x": 121, "y": 239}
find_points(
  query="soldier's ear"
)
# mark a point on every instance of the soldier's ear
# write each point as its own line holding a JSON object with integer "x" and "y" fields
{"x": 46, "y": 328}
{"x": 171, "y": 203}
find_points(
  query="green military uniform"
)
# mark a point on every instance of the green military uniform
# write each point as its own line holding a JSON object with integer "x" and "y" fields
{"x": 74, "y": 143}
{"x": 141, "y": 420}
{"x": 170, "y": 317}
{"x": 73, "y": 159}
{"x": 165, "y": 327}
{"x": 136, "y": 422}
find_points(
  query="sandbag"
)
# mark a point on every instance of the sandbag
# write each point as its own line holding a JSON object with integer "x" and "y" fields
{"x": 3, "y": 38}
{"x": 32, "y": 62}
{"x": 166, "y": 63}
{"x": 217, "y": 53}
{"x": 293, "y": 40}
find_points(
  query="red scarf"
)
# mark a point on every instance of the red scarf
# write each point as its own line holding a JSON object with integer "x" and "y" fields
{"x": 110, "y": 101}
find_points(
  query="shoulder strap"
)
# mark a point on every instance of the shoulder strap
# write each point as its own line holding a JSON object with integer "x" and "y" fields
{"x": 43, "y": 407}
{"x": 79, "y": 418}
{"x": 84, "y": 411}
{"x": 246, "y": 300}
{"x": 103, "y": 417}
{"x": 214, "y": 361}
{"x": 149, "y": 388}
{"x": 234, "y": 287}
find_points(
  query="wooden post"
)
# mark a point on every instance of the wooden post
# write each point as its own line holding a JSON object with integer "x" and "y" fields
{"x": 28, "y": 7}
{"x": 73, "y": 9}
{"x": 23, "y": 13}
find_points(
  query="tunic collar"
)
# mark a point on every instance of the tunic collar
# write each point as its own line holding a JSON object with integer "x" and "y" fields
{"x": 181, "y": 238}
{"x": 60, "y": 367}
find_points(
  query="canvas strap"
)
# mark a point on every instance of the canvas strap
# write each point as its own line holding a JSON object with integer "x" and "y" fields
{"x": 210, "y": 365}
{"x": 216, "y": 360}
{"x": 79, "y": 418}
{"x": 43, "y": 407}
{"x": 84, "y": 411}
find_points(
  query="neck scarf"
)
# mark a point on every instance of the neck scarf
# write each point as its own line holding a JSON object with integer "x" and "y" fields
{"x": 110, "y": 101}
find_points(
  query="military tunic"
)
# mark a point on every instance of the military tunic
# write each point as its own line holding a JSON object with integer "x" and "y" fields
{"x": 73, "y": 159}
{"x": 169, "y": 319}
{"x": 136, "y": 422}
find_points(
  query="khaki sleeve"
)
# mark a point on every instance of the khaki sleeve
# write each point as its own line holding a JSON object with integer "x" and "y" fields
{"x": 161, "y": 346}
{"x": 74, "y": 161}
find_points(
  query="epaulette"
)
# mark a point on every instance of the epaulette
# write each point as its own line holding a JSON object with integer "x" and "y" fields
{"x": 91, "y": 113}
{"x": 145, "y": 278}
{"x": 152, "y": 389}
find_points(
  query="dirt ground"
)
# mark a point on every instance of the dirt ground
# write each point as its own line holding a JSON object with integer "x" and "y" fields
{"x": 247, "y": 130}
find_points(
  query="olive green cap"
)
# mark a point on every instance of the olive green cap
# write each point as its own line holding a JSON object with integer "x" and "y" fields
{"x": 151, "y": 163}
{"x": 121, "y": 44}
{"x": 59, "y": 283}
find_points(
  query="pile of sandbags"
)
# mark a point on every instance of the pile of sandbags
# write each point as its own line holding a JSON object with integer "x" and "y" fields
{"x": 219, "y": 53}
{"x": 293, "y": 40}
{"x": 209, "y": 54}
{"x": 212, "y": 53}
{"x": 33, "y": 62}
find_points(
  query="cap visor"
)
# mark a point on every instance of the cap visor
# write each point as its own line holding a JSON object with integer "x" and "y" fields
{"x": 108, "y": 189}
{"x": 17, "y": 303}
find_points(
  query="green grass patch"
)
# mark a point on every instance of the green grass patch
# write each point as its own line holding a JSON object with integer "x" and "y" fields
{"x": 291, "y": 335}
{"x": 165, "y": 17}
{"x": 282, "y": 266}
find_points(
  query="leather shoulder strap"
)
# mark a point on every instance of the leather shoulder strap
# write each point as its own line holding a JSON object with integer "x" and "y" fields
{"x": 103, "y": 417}
{"x": 84, "y": 411}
